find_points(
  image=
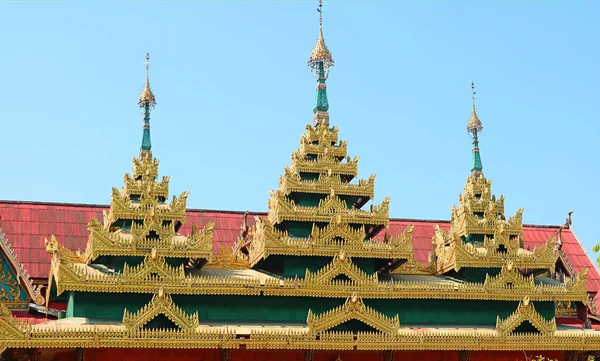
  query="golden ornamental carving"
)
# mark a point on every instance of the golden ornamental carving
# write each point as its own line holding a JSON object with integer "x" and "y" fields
{"x": 19, "y": 335}
{"x": 479, "y": 212}
{"x": 139, "y": 241}
{"x": 152, "y": 274}
{"x": 327, "y": 241}
{"x": 284, "y": 209}
{"x": 353, "y": 309}
{"x": 565, "y": 309}
{"x": 452, "y": 253}
{"x": 341, "y": 265}
{"x": 525, "y": 312}
{"x": 229, "y": 258}
{"x": 509, "y": 278}
{"x": 11, "y": 328}
{"x": 320, "y": 135}
{"x": 323, "y": 145}
{"x": 147, "y": 187}
{"x": 412, "y": 267}
{"x": 161, "y": 304}
{"x": 292, "y": 182}
{"x": 302, "y": 163}
{"x": 12, "y": 282}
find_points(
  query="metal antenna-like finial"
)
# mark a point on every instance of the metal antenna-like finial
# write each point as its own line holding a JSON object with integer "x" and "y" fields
{"x": 147, "y": 102}
{"x": 320, "y": 10}
{"x": 147, "y": 97}
{"x": 147, "y": 63}
{"x": 320, "y": 58}
{"x": 474, "y": 126}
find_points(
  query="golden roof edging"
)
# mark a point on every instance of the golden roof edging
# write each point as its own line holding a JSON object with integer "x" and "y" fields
{"x": 161, "y": 303}
{"x": 353, "y": 308}
{"x": 341, "y": 264}
{"x": 290, "y": 182}
{"x": 285, "y": 339}
{"x": 101, "y": 242}
{"x": 22, "y": 276}
{"x": 525, "y": 312}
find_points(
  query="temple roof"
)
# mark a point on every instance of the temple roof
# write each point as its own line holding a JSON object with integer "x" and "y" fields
{"x": 27, "y": 224}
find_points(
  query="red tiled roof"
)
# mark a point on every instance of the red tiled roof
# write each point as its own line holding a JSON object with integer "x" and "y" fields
{"x": 26, "y": 224}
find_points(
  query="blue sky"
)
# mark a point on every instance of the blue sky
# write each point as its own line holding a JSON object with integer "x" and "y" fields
{"x": 234, "y": 94}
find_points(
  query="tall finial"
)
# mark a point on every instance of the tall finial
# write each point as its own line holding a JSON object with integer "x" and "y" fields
{"x": 319, "y": 62}
{"x": 474, "y": 126}
{"x": 147, "y": 102}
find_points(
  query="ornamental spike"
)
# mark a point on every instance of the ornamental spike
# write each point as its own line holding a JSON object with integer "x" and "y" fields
{"x": 320, "y": 61}
{"x": 147, "y": 102}
{"x": 474, "y": 126}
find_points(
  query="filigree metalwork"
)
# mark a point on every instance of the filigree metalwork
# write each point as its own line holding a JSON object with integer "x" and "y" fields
{"x": 479, "y": 212}
{"x": 353, "y": 309}
{"x": 139, "y": 241}
{"x": 10, "y": 294}
{"x": 229, "y": 258}
{"x": 327, "y": 241}
{"x": 341, "y": 265}
{"x": 140, "y": 220}
{"x": 283, "y": 209}
{"x": 452, "y": 253}
{"x": 15, "y": 334}
{"x": 292, "y": 182}
{"x": 152, "y": 274}
{"x": 161, "y": 303}
{"x": 525, "y": 312}
{"x": 565, "y": 309}
{"x": 11, "y": 328}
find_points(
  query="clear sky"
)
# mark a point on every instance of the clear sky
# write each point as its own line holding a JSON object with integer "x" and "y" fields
{"x": 234, "y": 95}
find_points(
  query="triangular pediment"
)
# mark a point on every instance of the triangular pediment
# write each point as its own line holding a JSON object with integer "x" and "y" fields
{"x": 353, "y": 309}
{"x": 153, "y": 267}
{"x": 341, "y": 265}
{"x": 525, "y": 314}
{"x": 16, "y": 289}
{"x": 161, "y": 304}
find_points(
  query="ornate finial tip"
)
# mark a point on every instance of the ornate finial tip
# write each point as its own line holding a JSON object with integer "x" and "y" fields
{"x": 474, "y": 124}
{"x": 146, "y": 96}
{"x": 320, "y": 58}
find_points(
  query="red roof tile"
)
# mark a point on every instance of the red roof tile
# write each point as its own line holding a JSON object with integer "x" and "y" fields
{"x": 26, "y": 224}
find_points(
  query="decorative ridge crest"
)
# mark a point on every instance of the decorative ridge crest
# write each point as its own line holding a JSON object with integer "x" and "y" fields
{"x": 161, "y": 303}
{"x": 341, "y": 265}
{"x": 282, "y": 208}
{"x": 138, "y": 242}
{"x": 10, "y": 327}
{"x": 327, "y": 241}
{"x": 353, "y": 309}
{"x": 229, "y": 257}
{"x": 451, "y": 252}
{"x": 525, "y": 312}
{"x": 325, "y": 183}
{"x": 22, "y": 277}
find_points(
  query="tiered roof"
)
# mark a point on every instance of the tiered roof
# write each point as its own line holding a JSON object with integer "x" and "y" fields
{"x": 312, "y": 274}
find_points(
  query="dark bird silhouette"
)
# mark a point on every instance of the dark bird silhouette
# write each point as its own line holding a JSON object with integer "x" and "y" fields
{"x": 569, "y": 222}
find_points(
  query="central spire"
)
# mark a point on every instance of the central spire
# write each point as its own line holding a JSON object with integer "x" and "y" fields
{"x": 147, "y": 103}
{"x": 474, "y": 126}
{"x": 320, "y": 62}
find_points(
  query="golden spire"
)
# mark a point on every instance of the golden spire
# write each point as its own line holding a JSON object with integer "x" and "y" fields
{"x": 146, "y": 96}
{"x": 320, "y": 57}
{"x": 474, "y": 123}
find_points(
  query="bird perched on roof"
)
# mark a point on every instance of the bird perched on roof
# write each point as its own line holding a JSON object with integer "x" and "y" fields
{"x": 568, "y": 223}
